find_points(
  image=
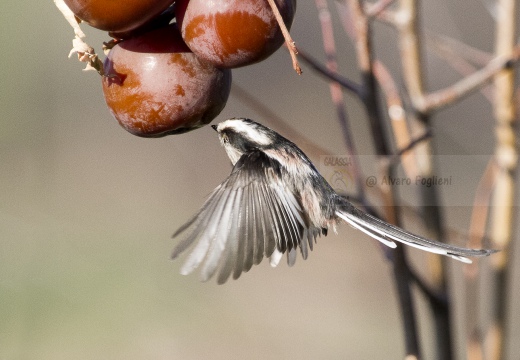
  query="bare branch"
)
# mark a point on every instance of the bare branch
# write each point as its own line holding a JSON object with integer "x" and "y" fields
{"x": 457, "y": 61}
{"x": 336, "y": 93}
{"x": 439, "y": 99}
{"x": 426, "y": 136}
{"x": 375, "y": 9}
{"x": 402, "y": 277}
{"x": 265, "y": 111}
{"x": 479, "y": 215}
{"x": 479, "y": 219}
{"x": 397, "y": 115}
{"x": 449, "y": 44}
{"x": 291, "y": 45}
{"x": 506, "y": 156}
{"x": 345, "y": 83}
{"x": 411, "y": 56}
{"x": 410, "y": 40}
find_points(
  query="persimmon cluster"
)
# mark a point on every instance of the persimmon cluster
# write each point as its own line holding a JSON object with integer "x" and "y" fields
{"x": 170, "y": 69}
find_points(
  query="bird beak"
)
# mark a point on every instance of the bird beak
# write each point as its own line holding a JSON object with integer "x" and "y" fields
{"x": 214, "y": 127}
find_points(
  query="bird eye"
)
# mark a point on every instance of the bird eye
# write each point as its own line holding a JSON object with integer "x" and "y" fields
{"x": 225, "y": 138}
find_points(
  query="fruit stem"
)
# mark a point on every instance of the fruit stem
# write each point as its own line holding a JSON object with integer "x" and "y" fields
{"x": 291, "y": 45}
{"x": 85, "y": 52}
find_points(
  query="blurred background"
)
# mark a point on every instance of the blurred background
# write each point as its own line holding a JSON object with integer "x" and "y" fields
{"x": 87, "y": 210}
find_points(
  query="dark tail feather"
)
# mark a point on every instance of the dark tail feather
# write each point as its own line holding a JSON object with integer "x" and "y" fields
{"x": 388, "y": 233}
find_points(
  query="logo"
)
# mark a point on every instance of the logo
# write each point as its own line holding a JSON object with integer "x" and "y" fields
{"x": 335, "y": 169}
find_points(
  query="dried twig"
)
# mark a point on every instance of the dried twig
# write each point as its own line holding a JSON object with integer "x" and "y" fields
{"x": 85, "y": 52}
{"x": 291, "y": 45}
{"x": 70, "y": 17}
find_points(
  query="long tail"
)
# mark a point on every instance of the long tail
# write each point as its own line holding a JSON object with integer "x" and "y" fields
{"x": 388, "y": 233}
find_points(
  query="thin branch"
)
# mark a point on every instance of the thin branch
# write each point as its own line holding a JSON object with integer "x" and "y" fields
{"x": 345, "y": 83}
{"x": 506, "y": 152}
{"x": 291, "y": 45}
{"x": 370, "y": 100}
{"x": 397, "y": 157}
{"x": 444, "y": 49}
{"x": 410, "y": 40}
{"x": 362, "y": 39}
{"x": 474, "y": 346}
{"x": 479, "y": 219}
{"x": 397, "y": 116}
{"x": 465, "y": 51}
{"x": 426, "y": 136}
{"x": 265, "y": 111}
{"x": 375, "y": 9}
{"x": 434, "y": 297}
{"x": 426, "y": 103}
{"x": 479, "y": 215}
{"x": 442, "y": 98}
{"x": 506, "y": 156}
{"x": 336, "y": 93}
{"x": 411, "y": 56}
{"x": 388, "y": 17}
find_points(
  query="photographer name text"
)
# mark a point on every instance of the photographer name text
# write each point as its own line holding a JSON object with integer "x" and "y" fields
{"x": 419, "y": 180}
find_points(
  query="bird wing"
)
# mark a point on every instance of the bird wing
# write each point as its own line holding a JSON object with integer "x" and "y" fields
{"x": 250, "y": 215}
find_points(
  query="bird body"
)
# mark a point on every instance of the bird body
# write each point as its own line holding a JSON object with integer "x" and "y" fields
{"x": 274, "y": 202}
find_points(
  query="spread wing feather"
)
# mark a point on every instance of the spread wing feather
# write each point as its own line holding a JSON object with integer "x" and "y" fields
{"x": 251, "y": 215}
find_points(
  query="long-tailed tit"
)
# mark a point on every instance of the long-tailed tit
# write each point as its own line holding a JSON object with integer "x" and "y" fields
{"x": 274, "y": 202}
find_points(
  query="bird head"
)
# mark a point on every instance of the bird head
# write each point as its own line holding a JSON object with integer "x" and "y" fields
{"x": 240, "y": 136}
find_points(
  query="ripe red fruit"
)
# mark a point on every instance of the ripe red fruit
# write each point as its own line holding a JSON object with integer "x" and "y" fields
{"x": 232, "y": 33}
{"x": 117, "y": 15}
{"x": 155, "y": 86}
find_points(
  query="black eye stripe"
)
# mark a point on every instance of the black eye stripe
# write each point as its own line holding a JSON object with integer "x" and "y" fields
{"x": 238, "y": 140}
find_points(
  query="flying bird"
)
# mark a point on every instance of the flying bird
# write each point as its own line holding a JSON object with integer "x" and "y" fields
{"x": 275, "y": 202}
